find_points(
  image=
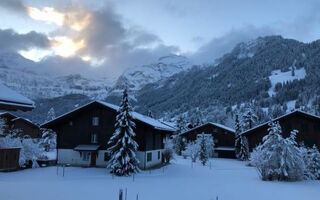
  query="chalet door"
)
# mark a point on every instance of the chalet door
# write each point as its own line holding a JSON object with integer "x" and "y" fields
{"x": 93, "y": 158}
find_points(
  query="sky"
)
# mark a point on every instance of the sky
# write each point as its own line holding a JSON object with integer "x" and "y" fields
{"x": 106, "y": 37}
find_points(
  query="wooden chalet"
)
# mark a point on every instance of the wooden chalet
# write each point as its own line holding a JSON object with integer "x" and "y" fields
{"x": 24, "y": 126}
{"x": 307, "y": 124}
{"x": 83, "y": 134}
{"x": 13, "y": 101}
{"x": 224, "y": 138}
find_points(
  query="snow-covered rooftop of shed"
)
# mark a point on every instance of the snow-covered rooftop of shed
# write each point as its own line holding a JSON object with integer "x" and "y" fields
{"x": 11, "y": 97}
{"x": 143, "y": 118}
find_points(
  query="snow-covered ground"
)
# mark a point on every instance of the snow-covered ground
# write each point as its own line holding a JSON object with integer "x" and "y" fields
{"x": 228, "y": 179}
{"x": 281, "y": 77}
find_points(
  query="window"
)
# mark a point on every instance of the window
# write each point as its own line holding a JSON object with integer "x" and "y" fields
{"x": 159, "y": 155}
{"x": 106, "y": 156}
{"x": 95, "y": 121}
{"x": 85, "y": 156}
{"x": 149, "y": 156}
{"x": 70, "y": 123}
{"x": 94, "y": 138}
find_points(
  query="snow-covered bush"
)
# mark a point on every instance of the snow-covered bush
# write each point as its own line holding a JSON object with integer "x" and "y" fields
{"x": 311, "y": 157}
{"x": 30, "y": 151}
{"x": 192, "y": 150}
{"x": 278, "y": 158}
{"x": 167, "y": 153}
{"x": 48, "y": 140}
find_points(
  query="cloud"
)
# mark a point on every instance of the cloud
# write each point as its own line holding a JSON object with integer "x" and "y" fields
{"x": 218, "y": 46}
{"x": 11, "y": 41}
{"x": 106, "y": 38}
{"x": 13, "y": 5}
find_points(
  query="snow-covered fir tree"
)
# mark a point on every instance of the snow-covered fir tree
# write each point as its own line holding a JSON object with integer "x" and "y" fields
{"x": 278, "y": 158}
{"x": 178, "y": 141}
{"x": 237, "y": 143}
{"x": 248, "y": 119}
{"x": 192, "y": 150}
{"x": 48, "y": 139}
{"x": 243, "y": 153}
{"x": 122, "y": 148}
{"x": 312, "y": 161}
{"x": 203, "y": 152}
{"x": 51, "y": 115}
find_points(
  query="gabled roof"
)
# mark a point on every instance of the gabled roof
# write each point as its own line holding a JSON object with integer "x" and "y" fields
{"x": 211, "y": 124}
{"x": 11, "y": 100}
{"x": 295, "y": 112}
{"x": 137, "y": 116}
{"x": 7, "y": 114}
{"x": 25, "y": 120}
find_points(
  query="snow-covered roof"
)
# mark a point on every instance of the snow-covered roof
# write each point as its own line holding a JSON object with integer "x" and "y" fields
{"x": 25, "y": 120}
{"x": 214, "y": 124}
{"x": 278, "y": 118}
{"x": 223, "y": 126}
{"x": 224, "y": 148}
{"x": 137, "y": 116}
{"x": 11, "y": 98}
{"x": 86, "y": 147}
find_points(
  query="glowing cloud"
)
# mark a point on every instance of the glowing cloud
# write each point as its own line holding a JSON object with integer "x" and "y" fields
{"x": 77, "y": 21}
{"x": 47, "y": 14}
{"x": 66, "y": 47}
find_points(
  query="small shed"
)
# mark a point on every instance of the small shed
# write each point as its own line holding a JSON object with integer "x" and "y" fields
{"x": 9, "y": 158}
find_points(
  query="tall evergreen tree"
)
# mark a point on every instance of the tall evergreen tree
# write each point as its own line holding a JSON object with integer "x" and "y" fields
{"x": 122, "y": 144}
{"x": 203, "y": 153}
{"x": 243, "y": 153}
{"x": 248, "y": 119}
{"x": 51, "y": 115}
{"x": 178, "y": 141}
{"x": 237, "y": 144}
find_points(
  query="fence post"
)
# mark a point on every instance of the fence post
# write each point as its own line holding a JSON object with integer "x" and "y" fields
{"x": 137, "y": 198}
{"x": 57, "y": 170}
{"x": 133, "y": 177}
{"x": 126, "y": 194}
{"x": 120, "y": 194}
{"x": 63, "y": 170}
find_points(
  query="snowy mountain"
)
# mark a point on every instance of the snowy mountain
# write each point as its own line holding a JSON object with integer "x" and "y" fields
{"x": 137, "y": 77}
{"x": 258, "y": 71}
{"x": 18, "y": 73}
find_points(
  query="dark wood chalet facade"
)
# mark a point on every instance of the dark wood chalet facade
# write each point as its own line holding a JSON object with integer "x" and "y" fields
{"x": 83, "y": 133}
{"x": 224, "y": 138}
{"x": 24, "y": 126}
{"x": 308, "y": 126}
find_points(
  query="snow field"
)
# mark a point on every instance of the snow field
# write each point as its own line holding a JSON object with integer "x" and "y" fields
{"x": 228, "y": 179}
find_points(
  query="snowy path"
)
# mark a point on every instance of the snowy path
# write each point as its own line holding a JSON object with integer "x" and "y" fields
{"x": 229, "y": 179}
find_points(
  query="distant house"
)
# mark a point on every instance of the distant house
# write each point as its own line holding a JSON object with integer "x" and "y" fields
{"x": 13, "y": 101}
{"x": 307, "y": 124}
{"x": 83, "y": 134}
{"x": 224, "y": 138}
{"x": 24, "y": 126}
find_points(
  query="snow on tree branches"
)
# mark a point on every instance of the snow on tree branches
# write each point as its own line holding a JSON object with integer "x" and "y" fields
{"x": 123, "y": 147}
{"x": 278, "y": 158}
